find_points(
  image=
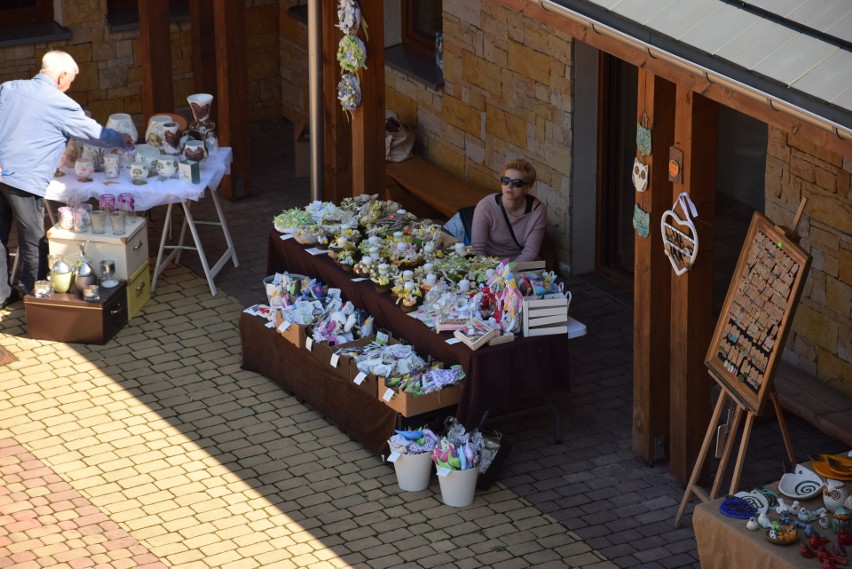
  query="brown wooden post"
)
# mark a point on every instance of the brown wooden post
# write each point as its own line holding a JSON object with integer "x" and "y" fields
{"x": 368, "y": 120}
{"x": 692, "y": 293}
{"x": 652, "y": 276}
{"x": 337, "y": 132}
{"x": 155, "y": 57}
{"x": 231, "y": 95}
{"x": 203, "y": 49}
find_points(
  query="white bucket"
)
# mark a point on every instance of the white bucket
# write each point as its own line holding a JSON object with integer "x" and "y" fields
{"x": 458, "y": 487}
{"x": 413, "y": 471}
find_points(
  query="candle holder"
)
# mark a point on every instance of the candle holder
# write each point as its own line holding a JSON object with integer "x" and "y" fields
{"x": 107, "y": 271}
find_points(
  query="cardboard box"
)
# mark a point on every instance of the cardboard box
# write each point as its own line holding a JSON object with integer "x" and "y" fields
{"x": 302, "y": 150}
{"x": 293, "y": 333}
{"x": 409, "y": 406}
{"x": 546, "y": 316}
{"x": 324, "y": 353}
{"x": 369, "y": 382}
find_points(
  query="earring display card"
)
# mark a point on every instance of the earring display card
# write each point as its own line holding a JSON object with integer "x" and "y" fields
{"x": 757, "y": 313}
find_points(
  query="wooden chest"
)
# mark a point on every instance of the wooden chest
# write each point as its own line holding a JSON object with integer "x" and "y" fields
{"x": 129, "y": 251}
{"x": 65, "y": 317}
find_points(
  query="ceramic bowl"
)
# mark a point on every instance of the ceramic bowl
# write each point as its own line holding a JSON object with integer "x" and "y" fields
{"x": 756, "y": 499}
{"x": 800, "y": 484}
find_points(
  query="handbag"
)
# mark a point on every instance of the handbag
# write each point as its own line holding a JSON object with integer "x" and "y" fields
{"x": 399, "y": 139}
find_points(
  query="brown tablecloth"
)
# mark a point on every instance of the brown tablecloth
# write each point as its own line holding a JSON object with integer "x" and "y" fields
{"x": 725, "y": 543}
{"x": 498, "y": 377}
{"x": 363, "y": 417}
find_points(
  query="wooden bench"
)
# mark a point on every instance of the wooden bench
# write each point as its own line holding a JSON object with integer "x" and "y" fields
{"x": 819, "y": 404}
{"x": 436, "y": 189}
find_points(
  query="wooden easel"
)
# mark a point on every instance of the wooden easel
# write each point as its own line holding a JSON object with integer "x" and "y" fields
{"x": 692, "y": 487}
{"x": 729, "y": 357}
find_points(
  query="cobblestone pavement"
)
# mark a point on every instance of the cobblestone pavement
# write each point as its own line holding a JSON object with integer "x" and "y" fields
{"x": 158, "y": 450}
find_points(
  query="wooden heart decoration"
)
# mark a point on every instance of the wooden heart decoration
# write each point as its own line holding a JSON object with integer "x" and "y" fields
{"x": 680, "y": 238}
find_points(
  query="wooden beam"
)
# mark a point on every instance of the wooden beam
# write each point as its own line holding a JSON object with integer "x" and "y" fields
{"x": 368, "y": 120}
{"x": 635, "y": 55}
{"x": 337, "y": 132}
{"x": 203, "y": 50}
{"x": 155, "y": 57}
{"x": 231, "y": 94}
{"x": 652, "y": 275}
{"x": 692, "y": 293}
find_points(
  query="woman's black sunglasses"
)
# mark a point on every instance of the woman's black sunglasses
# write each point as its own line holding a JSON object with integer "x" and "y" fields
{"x": 516, "y": 182}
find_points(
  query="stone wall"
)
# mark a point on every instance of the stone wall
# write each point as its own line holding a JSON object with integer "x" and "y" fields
{"x": 110, "y": 78}
{"x": 507, "y": 94}
{"x": 821, "y": 339}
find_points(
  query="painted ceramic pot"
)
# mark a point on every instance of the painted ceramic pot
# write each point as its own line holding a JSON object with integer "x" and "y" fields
{"x": 139, "y": 171}
{"x": 200, "y": 104}
{"x": 167, "y": 165}
{"x": 194, "y": 150}
{"x": 154, "y": 132}
{"x": 123, "y": 123}
{"x": 84, "y": 167}
{"x": 171, "y": 138}
{"x": 149, "y": 155}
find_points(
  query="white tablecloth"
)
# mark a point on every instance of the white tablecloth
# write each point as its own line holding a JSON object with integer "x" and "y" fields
{"x": 156, "y": 192}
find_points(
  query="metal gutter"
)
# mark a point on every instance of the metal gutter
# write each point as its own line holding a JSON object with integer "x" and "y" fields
{"x": 713, "y": 76}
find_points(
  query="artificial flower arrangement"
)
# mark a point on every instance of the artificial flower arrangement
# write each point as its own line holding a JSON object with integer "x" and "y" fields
{"x": 290, "y": 219}
{"x": 382, "y": 274}
{"x": 407, "y": 294}
{"x": 351, "y": 54}
{"x": 458, "y": 449}
{"x": 418, "y": 441}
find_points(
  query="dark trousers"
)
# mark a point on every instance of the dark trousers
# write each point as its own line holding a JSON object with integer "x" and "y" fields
{"x": 26, "y": 211}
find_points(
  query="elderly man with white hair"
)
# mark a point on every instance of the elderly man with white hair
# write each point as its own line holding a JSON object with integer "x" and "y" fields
{"x": 36, "y": 120}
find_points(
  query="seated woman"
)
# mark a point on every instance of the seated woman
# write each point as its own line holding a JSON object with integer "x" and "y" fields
{"x": 510, "y": 224}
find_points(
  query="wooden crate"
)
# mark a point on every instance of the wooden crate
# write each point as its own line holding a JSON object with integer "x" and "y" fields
{"x": 544, "y": 317}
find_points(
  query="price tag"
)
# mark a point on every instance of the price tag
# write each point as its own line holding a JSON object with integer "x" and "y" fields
{"x": 382, "y": 337}
{"x": 359, "y": 279}
{"x": 334, "y": 359}
{"x": 314, "y": 251}
{"x": 388, "y": 395}
{"x": 393, "y": 456}
{"x": 452, "y": 341}
{"x": 444, "y": 471}
{"x": 359, "y": 379}
{"x": 270, "y": 324}
{"x": 284, "y": 325}
{"x": 286, "y": 236}
{"x": 309, "y": 343}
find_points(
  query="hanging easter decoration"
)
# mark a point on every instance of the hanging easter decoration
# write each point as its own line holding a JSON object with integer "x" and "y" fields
{"x": 641, "y": 221}
{"x": 351, "y": 54}
{"x": 680, "y": 237}
{"x": 640, "y": 175}
{"x": 643, "y": 136}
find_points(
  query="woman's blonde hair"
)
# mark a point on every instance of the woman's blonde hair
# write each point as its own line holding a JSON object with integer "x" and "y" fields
{"x": 522, "y": 166}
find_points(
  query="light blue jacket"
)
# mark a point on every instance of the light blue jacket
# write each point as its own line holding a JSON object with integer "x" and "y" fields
{"x": 36, "y": 121}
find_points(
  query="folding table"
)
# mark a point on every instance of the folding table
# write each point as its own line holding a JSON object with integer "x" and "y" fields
{"x": 158, "y": 191}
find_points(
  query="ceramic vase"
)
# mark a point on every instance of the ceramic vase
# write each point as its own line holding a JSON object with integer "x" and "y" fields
{"x": 194, "y": 150}
{"x": 154, "y": 132}
{"x": 200, "y": 104}
{"x": 171, "y": 138}
{"x": 123, "y": 123}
